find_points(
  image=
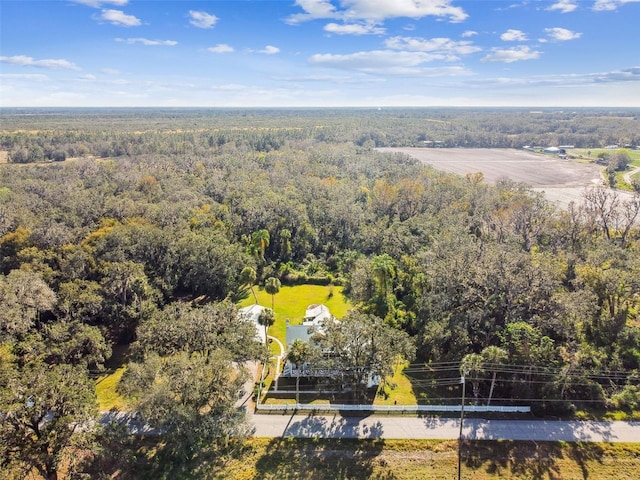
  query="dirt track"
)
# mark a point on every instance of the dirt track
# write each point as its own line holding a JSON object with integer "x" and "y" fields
{"x": 561, "y": 180}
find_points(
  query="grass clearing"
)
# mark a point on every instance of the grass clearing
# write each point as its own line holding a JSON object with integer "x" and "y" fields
{"x": 397, "y": 390}
{"x": 287, "y": 458}
{"x": 621, "y": 177}
{"x": 291, "y": 303}
{"x": 108, "y": 398}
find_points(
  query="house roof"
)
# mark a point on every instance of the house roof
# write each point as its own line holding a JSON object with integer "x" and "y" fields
{"x": 252, "y": 313}
{"x": 298, "y": 332}
{"x": 316, "y": 314}
{"x": 314, "y": 317}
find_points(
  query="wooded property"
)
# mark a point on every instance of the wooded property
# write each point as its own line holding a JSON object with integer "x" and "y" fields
{"x": 144, "y": 230}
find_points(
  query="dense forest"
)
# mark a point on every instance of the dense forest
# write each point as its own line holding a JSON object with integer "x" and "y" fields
{"x": 33, "y": 135}
{"x": 134, "y": 227}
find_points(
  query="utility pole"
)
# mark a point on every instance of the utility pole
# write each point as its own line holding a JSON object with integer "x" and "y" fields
{"x": 462, "y": 381}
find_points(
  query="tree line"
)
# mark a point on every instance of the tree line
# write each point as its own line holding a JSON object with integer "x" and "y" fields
{"x": 89, "y": 132}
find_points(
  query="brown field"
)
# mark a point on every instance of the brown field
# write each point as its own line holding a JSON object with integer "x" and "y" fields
{"x": 562, "y": 181}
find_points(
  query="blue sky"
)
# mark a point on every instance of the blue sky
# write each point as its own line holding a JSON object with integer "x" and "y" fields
{"x": 297, "y": 53}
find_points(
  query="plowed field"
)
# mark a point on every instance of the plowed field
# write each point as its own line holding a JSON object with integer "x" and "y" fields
{"x": 562, "y": 181}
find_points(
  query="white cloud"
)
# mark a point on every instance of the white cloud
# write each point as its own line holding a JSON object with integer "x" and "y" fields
{"x": 229, "y": 87}
{"x": 564, "y": 6}
{"x": 442, "y": 45}
{"x": 514, "y": 36}
{"x": 32, "y": 77}
{"x": 387, "y": 62}
{"x": 357, "y": 79}
{"x": 269, "y": 50}
{"x": 354, "y": 29}
{"x": 110, "y": 71}
{"x": 469, "y": 33}
{"x": 100, "y": 3}
{"x": 608, "y": 5}
{"x": 510, "y": 55}
{"x": 221, "y": 48}
{"x": 118, "y": 17}
{"x": 563, "y": 80}
{"x": 629, "y": 75}
{"x": 314, "y": 9}
{"x": 147, "y": 42}
{"x": 202, "y": 19}
{"x": 88, "y": 77}
{"x": 55, "y": 64}
{"x": 377, "y": 11}
{"x": 562, "y": 34}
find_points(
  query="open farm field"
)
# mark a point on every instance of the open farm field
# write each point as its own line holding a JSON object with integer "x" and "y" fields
{"x": 562, "y": 181}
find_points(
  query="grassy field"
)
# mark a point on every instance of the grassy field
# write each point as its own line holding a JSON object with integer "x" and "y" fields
{"x": 315, "y": 459}
{"x": 621, "y": 182}
{"x": 292, "y": 302}
{"x": 288, "y": 459}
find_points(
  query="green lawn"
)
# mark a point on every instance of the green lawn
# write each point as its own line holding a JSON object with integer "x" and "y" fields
{"x": 108, "y": 398}
{"x": 398, "y": 390}
{"x": 593, "y": 153}
{"x": 292, "y": 302}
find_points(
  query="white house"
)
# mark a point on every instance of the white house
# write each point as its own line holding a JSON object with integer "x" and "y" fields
{"x": 315, "y": 314}
{"x": 252, "y": 313}
{"x": 314, "y": 319}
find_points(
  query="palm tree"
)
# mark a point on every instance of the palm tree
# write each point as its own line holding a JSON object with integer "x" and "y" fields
{"x": 248, "y": 277}
{"x": 258, "y": 244}
{"x": 384, "y": 268}
{"x": 298, "y": 354}
{"x": 491, "y": 356}
{"x": 266, "y": 318}
{"x": 472, "y": 364}
{"x": 272, "y": 286}
{"x": 285, "y": 244}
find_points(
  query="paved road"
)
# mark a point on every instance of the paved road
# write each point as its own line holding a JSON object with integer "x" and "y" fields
{"x": 336, "y": 426}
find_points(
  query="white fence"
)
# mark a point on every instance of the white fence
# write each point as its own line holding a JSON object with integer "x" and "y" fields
{"x": 309, "y": 407}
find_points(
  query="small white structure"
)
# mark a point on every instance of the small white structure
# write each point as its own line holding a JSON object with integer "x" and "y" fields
{"x": 553, "y": 150}
{"x": 315, "y": 315}
{"x": 252, "y": 313}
